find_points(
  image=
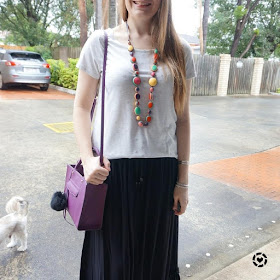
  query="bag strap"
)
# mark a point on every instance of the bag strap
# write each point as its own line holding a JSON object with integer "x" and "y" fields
{"x": 103, "y": 98}
{"x": 103, "y": 102}
{"x": 102, "y": 111}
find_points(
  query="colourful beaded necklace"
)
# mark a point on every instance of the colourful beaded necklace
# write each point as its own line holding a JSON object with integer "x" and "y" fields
{"x": 136, "y": 81}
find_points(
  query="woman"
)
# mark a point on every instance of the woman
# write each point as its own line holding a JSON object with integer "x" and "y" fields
{"x": 145, "y": 153}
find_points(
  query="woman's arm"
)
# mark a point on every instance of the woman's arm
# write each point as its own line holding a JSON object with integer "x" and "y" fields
{"x": 85, "y": 94}
{"x": 183, "y": 138}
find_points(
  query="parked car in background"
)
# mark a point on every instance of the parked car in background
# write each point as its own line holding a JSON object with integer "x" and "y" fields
{"x": 23, "y": 67}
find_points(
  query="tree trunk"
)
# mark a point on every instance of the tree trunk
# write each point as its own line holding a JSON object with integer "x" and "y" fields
{"x": 249, "y": 45}
{"x": 83, "y": 22}
{"x": 200, "y": 26}
{"x": 98, "y": 14}
{"x": 241, "y": 24}
{"x": 105, "y": 14}
{"x": 205, "y": 23}
{"x": 94, "y": 14}
{"x": 119, "y": 16}
{"x": 112, "y": 14}
{"x": 236, "y": 40}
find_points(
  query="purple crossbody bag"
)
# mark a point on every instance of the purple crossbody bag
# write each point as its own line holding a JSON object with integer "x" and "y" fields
{"x": 85, "y": 201}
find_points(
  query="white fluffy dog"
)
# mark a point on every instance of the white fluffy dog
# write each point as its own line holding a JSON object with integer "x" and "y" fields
{"x": 14, "y": 224}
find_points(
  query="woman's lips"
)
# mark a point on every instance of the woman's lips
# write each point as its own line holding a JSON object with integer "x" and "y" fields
{"x": 141, "y": 4}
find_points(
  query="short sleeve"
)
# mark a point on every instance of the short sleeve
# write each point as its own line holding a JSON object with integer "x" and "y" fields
{"x": 91, "y": 56}
{"x": 190, "y": 67}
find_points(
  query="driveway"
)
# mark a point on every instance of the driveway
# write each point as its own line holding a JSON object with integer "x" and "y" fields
{"x": 231, "y": 210}
{"x": 32, "y": 92}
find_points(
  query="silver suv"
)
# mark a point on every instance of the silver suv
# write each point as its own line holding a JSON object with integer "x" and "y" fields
{"x": 23, "y": 67}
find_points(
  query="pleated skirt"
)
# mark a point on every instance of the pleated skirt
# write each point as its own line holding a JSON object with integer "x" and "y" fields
{"x": 139, "y": 236}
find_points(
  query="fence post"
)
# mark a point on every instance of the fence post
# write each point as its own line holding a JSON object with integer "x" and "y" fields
{"x": 223, "y": 74}
{"x": 257, "y": 76}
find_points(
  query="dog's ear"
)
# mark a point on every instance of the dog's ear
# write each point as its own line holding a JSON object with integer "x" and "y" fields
{"x": 13, "y": 205}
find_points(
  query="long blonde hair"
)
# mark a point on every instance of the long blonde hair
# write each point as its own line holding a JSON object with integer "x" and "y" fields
{"x": 170, "y": 49}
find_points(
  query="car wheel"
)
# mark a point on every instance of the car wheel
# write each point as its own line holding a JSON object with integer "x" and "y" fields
{"x": 2, "y": 85}
{"x": 44, "y": 87}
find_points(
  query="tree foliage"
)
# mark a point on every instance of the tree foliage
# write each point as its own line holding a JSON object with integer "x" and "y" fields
{"x": 26, "y": 20}
{"x": 42, "y": 22}
{"x": 240, "y": 12}
{"x": 264, "y": 22}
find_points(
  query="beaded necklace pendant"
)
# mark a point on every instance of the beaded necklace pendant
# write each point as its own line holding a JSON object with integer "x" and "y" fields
{"x": 137, "y": 81}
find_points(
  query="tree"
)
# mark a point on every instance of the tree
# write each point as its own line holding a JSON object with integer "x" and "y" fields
{"x": 256, "y": 33}
{"x": 98, "y": 14}
{"x": 26, "y": 19}
{"x": 53, "y": 22}
{"x": 222, "y": 28}
{"x": 199, "y": 2}
{"x": 83, "y": 22}
{"x": 205, "y": 23}
{"x": 269, "y": 26}
{"x": 242, "y": 15}
{"x": 112, "y": 14}
{"x": 105, "y": 13}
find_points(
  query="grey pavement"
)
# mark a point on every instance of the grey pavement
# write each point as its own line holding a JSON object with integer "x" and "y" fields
{"x": 243, "y": 268}
{"x": 33, "y": 165}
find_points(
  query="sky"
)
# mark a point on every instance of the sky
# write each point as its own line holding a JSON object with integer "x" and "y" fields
{"x": 185, "y": 16}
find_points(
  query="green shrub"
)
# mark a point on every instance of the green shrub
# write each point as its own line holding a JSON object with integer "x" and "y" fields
{"x": 45, "y": 52}
{"x": 278, "y": 90}
{"x": 56, "y": 67}
{"x": 69, "y": 76}
{"x": 64, "y": 76}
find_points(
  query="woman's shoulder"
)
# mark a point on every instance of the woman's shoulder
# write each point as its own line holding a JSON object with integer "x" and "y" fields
{"x": 96, "y": 38}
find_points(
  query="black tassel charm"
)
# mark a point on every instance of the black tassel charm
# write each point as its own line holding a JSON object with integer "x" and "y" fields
{"x": 59, "y": 201}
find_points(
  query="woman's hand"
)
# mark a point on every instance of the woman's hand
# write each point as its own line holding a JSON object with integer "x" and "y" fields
{"x": 180, "y": 195}
{"x": 94, "y": 173}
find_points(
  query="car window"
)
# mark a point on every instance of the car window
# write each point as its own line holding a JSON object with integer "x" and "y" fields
{"x": 26, "y": 56}
{"x": 1, "y": 56}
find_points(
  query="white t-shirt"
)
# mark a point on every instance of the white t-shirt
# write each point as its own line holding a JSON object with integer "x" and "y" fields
{"x": 123, "y": 138}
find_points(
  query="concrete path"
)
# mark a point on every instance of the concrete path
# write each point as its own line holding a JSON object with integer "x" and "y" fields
{"x": 229, "y": 215}
{"x": 226, "y": 219}
{"x": 243, "y": 268}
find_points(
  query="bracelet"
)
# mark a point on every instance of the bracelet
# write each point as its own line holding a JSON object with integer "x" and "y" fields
{"x": 183, "y": 162}
{"x": 178, "y": 184}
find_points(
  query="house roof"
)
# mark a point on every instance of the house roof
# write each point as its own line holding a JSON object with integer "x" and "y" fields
{"x": 190, "y": 39}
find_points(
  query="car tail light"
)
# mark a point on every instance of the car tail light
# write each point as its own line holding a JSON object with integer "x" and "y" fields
{"x": 46, "y": 65}
{"x": 11, "y": 63}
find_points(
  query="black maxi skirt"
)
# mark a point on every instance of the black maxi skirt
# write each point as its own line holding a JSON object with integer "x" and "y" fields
{"x": 139, "y": 236}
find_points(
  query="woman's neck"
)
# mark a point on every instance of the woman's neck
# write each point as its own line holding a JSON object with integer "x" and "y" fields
{"x": 141, "y": 41}
{"x": 139, "y": 28}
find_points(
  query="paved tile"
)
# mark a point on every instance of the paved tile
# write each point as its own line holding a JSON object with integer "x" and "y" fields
{"x": 29, "y": 92}
{"x": 258, "y": 172}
